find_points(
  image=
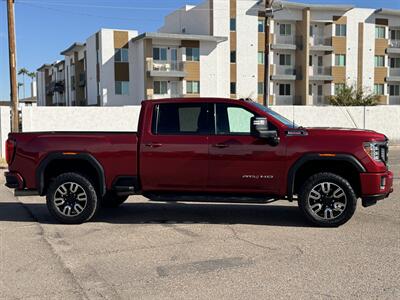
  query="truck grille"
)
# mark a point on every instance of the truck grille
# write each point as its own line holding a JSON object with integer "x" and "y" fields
{"x": 383, "y": 152}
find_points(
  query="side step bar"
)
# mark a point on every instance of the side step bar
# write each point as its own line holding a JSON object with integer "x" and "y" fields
{"x": 209, "y": 198}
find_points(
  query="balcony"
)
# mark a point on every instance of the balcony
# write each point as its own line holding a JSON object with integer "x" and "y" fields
{"x": 394, "y": 47}
{"x": 320, "y": 73}
{"x": 319, "y": 100}
{"x": 283, "y": 73}
{"x": 320, "y": 43}
{"x": 165, "y": 68}
{"x": 283, "y": 42}
{"x": 394, "y": 75}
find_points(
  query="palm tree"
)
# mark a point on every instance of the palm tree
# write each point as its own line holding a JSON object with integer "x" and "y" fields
{"x": 23, "y": 72}
{"x": 19, "y": 85}
{"x": 32, "y": 76}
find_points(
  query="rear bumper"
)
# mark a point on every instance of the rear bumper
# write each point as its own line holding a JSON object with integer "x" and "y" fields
{"x": 375, "y": 187}
{"x": 14, "y": 180}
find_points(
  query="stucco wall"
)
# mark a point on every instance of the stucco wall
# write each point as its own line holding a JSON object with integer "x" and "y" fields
{"x": 124, "y": 118}
{"x": 383, "y": 119}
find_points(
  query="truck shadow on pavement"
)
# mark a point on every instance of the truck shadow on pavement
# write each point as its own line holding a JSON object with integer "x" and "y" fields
{"x": 173, "y": 213}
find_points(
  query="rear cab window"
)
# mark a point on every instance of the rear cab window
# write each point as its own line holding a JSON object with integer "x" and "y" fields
{"x": 180, "y": 119}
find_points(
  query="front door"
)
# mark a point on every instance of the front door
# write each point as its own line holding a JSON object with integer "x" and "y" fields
{"x": 174, "y": 155}
{"x": 239, "y": 161}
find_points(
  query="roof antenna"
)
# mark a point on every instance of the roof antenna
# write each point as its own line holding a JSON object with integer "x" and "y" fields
{"x": 293, "y": 115}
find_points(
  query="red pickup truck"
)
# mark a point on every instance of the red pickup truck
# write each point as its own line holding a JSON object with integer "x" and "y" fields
{"x": 208, "y": 150}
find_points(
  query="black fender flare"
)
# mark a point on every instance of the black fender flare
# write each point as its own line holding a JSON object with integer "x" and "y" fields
{"x": 317, "y": 157}
{"x": 40, "y": 184}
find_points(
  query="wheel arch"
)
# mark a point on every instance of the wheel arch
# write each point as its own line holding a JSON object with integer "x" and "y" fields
{"x": 84, "y": 160}
{"x": 310, "y": 161}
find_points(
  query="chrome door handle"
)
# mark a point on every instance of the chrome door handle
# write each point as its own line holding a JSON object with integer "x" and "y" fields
{"x": 153, "y": 145}
{"x": 220, "y": 146}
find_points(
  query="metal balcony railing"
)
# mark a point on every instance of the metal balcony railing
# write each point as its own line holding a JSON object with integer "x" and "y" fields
{"x": 394, "y": 43}
{"x": 165, "y": 65}
{"x": 326, "y": 71}
{"x": 320, "y": 41}
{"x": 82, "y": 79}
{"x": 284, "y": 70}
{"x": 394, "y": 72}
{"x": 285, "y": 39}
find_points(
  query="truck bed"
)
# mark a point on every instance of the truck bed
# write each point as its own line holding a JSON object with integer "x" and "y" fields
{"x": 115, "y": 151}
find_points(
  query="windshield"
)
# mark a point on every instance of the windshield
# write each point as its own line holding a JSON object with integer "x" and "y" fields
{"x": 277, "y": 116}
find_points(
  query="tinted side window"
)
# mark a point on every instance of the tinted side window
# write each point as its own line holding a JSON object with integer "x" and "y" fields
{"x": 180, "y": 119}
{"x": 232, "y": 120}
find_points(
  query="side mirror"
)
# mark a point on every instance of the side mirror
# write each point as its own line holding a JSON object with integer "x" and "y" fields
{"x": 259, "y": 128}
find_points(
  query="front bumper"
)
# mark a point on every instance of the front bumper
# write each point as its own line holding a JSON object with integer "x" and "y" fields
{"x": 375, "y": 187}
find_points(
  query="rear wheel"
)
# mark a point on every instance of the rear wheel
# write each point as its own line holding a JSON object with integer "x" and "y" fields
{"x": 72, "y": 199}
{"x": 327, "y": 200}
{"x": 111, "y": 199}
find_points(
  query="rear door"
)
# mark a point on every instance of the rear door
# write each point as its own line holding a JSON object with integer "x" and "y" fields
{"x": 239, "y": 161}
{"x": 174, "y": 153}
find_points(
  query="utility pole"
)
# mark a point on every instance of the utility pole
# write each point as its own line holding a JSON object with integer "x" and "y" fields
{"x": 13, "y": 67}
{"x": 268, "y": 15}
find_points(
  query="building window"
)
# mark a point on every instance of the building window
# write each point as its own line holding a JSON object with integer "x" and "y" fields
{"x": 285, "y": 29}
{"x": 233, "y": 56}
{"x": 233, "y": 88}
{"x": 285, "y": 60}
{"x": 121, "y": 55}
{"x": 340, "y": 30}
{"x": 192, "y": 87}
{"x": 73, "y": 83}
{"x": 395, "y": 34}
{"x": 98, "y": 56}
{"x": 339, "y": 87}
{"x": 261, "y": 26}
{"x": 340, "y": 60}
{"x": 122, "y": 88}
{"x": 380, "y": 32}
{"x": 261, "y": 56}
{"x": 160, "y": 87}
{"x": 379, "y": 61}
{"x": 395, "y": 62}
{"x": 232, "y": 25}
{"x": 284, "y": 89}
{"x": 394, "y": 90}
{"x": 379, "y": 89}
{"x": 310, "y": 59}
{"x": 160, "y": 53}
{"x": 192, "y": 54}
{"x": 260, "y": 88}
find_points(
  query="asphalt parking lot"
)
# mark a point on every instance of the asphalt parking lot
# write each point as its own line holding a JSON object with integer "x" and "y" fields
{"x": 198, "y": 251}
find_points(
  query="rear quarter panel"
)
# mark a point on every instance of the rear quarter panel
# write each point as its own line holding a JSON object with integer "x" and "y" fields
{"x": 116, "y": 152}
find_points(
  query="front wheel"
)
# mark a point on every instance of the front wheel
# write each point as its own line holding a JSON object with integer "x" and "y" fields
{"x": 71, "y": 199}
{"x": 327, "y": 200}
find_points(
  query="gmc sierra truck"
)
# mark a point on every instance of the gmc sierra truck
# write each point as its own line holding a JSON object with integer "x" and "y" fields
{"x": 203, "y": 150}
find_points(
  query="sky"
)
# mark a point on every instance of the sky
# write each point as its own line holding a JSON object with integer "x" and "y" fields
{"x": 46, "y": 27}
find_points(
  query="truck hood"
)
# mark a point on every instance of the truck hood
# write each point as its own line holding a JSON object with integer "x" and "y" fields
{"x": 345, "y": 132}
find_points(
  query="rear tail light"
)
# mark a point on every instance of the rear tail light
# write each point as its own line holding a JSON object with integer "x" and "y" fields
{"x": 10, "y": 150}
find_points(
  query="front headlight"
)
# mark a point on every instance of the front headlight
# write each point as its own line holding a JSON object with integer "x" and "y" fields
{"x": 373, "y": 150}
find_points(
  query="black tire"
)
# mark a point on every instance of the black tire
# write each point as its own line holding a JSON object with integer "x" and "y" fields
{"x": 111, "y": 200}
{"x": 64, "y": 195}
{"x": 336, "y": 210}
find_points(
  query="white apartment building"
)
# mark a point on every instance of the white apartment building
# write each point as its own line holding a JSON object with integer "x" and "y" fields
{"x": 217, "y": 49}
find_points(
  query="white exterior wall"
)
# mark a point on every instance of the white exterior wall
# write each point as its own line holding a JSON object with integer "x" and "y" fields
{"x": 5, "y": 127}
{"x": 41, "y": 89}
{"x": 107, "y": 80}
{"x": 91, "y": 76}
{"x": 221, "y": 28}
{"x": 246, "y": 50}
{"x": 136, "y": 51}
{"x": 189, "y": 19}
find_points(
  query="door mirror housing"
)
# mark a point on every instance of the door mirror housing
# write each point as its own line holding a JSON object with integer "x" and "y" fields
{"x": 259, "y": 128}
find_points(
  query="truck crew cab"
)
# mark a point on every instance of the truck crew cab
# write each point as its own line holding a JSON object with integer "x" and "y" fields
{"x": 204, "y": 150}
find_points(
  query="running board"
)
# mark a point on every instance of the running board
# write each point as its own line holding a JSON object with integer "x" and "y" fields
{"x": 209, "y": 198}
